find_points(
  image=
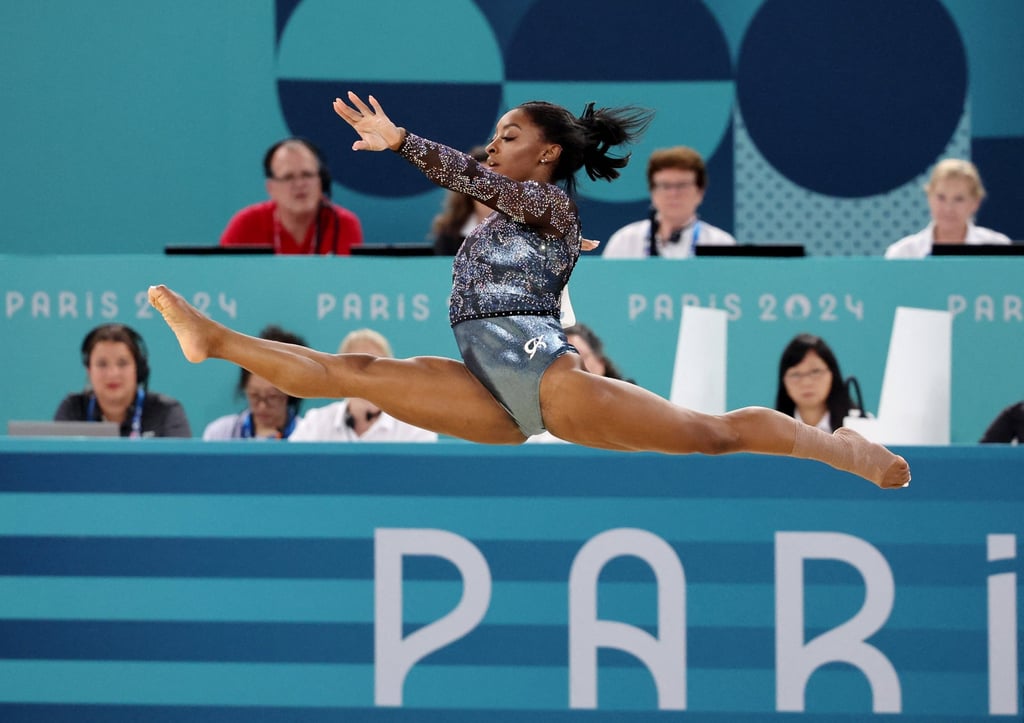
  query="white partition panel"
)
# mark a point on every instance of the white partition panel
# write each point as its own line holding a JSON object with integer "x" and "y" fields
{"x": 698, "y": 377}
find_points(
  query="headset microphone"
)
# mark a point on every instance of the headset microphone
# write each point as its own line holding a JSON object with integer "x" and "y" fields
{"x": 856, "y": 398}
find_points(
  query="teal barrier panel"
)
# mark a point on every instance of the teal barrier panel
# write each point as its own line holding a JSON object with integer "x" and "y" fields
{"x": 635, "y": 306}
{"x": 180, "y": 581}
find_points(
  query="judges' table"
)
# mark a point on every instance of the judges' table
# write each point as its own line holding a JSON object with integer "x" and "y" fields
{"x": 634, "y": 305}
{"x": 176, "y": 580}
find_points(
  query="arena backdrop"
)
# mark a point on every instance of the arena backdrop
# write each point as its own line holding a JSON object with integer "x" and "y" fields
{"x": 135, "y": 125}
{"x": 635, "y": 306}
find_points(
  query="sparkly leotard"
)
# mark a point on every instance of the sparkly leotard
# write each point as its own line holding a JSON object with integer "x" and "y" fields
{"x": 517, "y": 260}
{"x": 514, "y": 264}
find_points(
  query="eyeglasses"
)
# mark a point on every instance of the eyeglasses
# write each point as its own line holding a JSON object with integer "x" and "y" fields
{"x": 293, "y": 177}
{"x": 270, "y": 400}
{"x": 680, "y": 186}
{"x": 814, "y": 375}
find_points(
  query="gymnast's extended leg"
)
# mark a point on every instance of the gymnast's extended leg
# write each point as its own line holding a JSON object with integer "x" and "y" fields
{"x": 600, "y": 412}
{"x": 429, "y": 392}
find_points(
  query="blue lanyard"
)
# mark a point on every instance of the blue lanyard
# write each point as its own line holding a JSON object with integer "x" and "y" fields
{"x": 696, "y": 235}
{"x": 248, "y": 430}
{"x": 140, "y": 397}
{"x": 652, "y": 246}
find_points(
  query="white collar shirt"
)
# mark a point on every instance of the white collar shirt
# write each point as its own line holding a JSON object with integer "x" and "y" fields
{"x": 327, "y": 424}
{"x": 919, "y": 245}
{"x": 632, "y": 241}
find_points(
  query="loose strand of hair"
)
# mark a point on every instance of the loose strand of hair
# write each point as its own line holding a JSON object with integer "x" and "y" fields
{"x": 607, "y": 128}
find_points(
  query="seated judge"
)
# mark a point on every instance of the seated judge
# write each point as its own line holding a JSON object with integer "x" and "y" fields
{"x": 810, "y": 385}
{"x": 354, "y": 419}
{"x": 677, "y": 179}
{"x": 1007, "y": 427}
{"x": 269, "y": 413}
{"x": 117, "y": 367}
{"x": 954, "y": 194}
{"x": 299, "y": 218}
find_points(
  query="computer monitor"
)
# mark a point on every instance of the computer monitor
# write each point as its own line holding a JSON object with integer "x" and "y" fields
{"x": 62, "y": 428}
{"x": 393, "y": 250}
{"x": 751, "y": 250}
{"x": 1014, "y": 249}
{"x": 198, "y": 250}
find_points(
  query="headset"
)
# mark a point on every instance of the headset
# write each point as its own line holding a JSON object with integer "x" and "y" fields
{"x": 325, "y": 185}
{"x": 126, "y": 335}
{"x": 350, "y": 420}
{"x": 856, "y": 398}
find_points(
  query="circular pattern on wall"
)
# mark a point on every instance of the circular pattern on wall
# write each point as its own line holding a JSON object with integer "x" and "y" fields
{"x": 851, "y": 97}
{"x": 453, "y": 93}
{"x": 772, "y": 209}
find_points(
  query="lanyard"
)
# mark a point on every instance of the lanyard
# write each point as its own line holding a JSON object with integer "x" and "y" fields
{"x": 136, "y": 429}
{"x": 693, "y": 241}
{"x": 301, "y": 244}
{"x": 652, "y": 245}
{"x": 248, "y": 429}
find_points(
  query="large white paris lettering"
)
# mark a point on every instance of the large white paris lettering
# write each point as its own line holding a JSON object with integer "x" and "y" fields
{"x": 1002, "y": 629}
{"x": 664, "y": 656}
{"x": 796, "y": 660}
{"x": 393, "y": 655}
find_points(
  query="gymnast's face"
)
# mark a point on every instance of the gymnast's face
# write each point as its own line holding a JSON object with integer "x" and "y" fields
{"x": 519, "y": 151}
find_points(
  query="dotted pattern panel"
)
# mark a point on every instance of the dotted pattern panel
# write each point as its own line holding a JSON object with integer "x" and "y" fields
{"x": 772, "y": 209}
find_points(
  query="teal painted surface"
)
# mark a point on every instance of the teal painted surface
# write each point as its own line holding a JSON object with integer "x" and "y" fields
{"x": 51, "y": 303}
{"x": 232, "y": 628}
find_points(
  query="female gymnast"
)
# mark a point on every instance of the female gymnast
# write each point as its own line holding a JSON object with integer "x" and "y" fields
{"x": 519, "y": 375}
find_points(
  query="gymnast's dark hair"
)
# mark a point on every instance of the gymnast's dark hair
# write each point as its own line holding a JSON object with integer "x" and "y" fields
{"x": 586, "y": 140}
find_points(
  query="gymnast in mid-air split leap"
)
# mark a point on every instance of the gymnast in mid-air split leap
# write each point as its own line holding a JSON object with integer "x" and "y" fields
{"x": 518, "y": 375}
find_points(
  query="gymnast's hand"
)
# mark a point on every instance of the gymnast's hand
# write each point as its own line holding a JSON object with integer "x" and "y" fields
{"x": 375, "y": 129}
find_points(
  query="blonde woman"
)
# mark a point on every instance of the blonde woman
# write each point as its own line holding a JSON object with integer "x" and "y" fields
{"x": 355, "y": 419}
{"x": 954, "y": 194}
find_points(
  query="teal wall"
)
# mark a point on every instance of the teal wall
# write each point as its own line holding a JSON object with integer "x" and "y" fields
{"x": 130, "y": 126}
{"x": 634, "y": 305}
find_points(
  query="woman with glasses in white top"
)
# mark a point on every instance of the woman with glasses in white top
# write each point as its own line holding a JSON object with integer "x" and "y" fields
{"x": 270, "y": 413}
{"x": 811, "y": 387}
{"x": 677, "y": 179}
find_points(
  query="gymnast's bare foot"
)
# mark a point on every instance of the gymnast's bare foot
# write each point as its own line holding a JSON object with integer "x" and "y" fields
{"x": 876, "y": 463}
{"x": 195, "y": 331}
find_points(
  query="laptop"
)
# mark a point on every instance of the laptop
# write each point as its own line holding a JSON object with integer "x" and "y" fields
{"x": 193, "y": 250}
{"x": 63, "y": 428}
{"x": 393, "y": 250}
{"x": 1014, "y": 249}
{"x": 751, "y": 250}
